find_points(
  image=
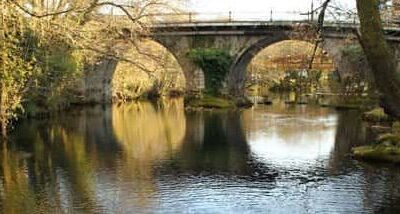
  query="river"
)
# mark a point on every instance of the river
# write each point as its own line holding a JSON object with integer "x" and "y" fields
{"x": 156, "y": 158}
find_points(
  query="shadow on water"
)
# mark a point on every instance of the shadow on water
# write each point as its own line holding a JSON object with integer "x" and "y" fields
{"x": 148, "y": 157}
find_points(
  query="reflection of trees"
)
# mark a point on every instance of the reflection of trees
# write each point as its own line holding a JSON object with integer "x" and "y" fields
{"x": 380, "y": 182}
{"x": 214, "y": 143}
{"x": 15, "y": 193}
{"x": 59, "y": 166}
{"x": 36, "y": 184}
{"x": 147, "y": 133}
{"x": 67, "y": 158}
{"x": 350, "y": 133}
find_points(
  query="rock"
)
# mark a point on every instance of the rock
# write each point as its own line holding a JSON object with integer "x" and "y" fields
{"x": 381, "y": 152}
{"x": 243, "y": 102}
{"x": 378, "y": 130}
{"x": 267, "y": 102}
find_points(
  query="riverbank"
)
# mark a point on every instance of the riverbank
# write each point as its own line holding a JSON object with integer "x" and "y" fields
{"x": 386, "y": 146}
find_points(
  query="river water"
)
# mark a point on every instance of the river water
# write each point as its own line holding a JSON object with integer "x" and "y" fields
{"x": 157, "y": 158}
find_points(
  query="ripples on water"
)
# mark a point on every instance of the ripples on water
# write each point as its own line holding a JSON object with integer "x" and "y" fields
{"x": 155, "y": 158}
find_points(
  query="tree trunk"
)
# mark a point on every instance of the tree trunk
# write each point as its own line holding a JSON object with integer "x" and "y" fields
{"x": 3, "y": 131}
{"x": 380, "y": 56}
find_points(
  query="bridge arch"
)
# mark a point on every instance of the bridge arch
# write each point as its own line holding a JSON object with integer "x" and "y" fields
{"x": 237, "y": 77}
{"x": 244, "y": 40}
{"x": 133, "y": 73}
{"x": 180, "y": 46}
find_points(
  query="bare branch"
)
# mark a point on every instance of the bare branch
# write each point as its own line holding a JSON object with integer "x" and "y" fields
{"x": 320, "y": 27}
{"x": 25, "y": 10}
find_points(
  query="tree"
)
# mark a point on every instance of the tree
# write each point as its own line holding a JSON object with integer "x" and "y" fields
{"x": 380, "y": 57}
{"x": 15, "y": 66}
{"x": 378, "y": 53}
{"x": 56, "y": 29}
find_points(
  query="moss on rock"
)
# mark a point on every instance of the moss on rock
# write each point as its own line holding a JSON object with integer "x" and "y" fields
{"x": 387, "y": 148}
{"x": 376, "y": 115}
{"x": 381, "y": 152}
{"x": 211, "y": 102}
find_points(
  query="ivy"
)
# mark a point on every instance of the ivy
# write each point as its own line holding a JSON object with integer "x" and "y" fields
{"x": 215, "y": 64}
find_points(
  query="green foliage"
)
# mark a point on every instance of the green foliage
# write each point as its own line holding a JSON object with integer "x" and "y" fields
{"x": 36, "y": 71}
{"x": 60, "y": 70}
{"x": 396, "y": 128}
{"x": 215, "y": 64}
{"x": 17, "y": 68}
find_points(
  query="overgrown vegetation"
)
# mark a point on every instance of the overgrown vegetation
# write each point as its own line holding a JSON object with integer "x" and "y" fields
{"x": 215, "y": 64}
{"x": 46, "y": 46}
{"x": 16, "y": 68}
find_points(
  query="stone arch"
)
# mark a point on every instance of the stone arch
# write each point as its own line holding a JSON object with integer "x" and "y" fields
{"x": 237, "y": 76}
{"x": 179, "y": 47}
{"x": 99, "y": 76}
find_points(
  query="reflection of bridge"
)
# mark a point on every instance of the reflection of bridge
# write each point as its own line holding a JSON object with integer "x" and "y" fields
{"x": 244, "y": 39}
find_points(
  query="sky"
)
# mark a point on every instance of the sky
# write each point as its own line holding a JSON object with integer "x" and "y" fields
{"x": 258, "y": 5}
{"x": 282, "y": 9}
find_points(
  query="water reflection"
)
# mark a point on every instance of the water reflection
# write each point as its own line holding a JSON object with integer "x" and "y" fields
{"x": 147, "y": 133}
{"x": 292, "y": 138}
{"x": 214, "y": 144}
{"x": 154, "y": 157}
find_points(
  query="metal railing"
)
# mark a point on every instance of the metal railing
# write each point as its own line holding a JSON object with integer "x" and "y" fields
{"x": 231, "y": 16}
{"x": 268, "y": 16}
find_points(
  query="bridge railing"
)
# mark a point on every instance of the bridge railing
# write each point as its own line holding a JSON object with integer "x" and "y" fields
{"x": 267, "y": 16}
{"x": 231, "y": 16}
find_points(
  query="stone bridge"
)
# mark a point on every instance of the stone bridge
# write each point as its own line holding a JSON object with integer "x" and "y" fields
{"x": 243, "y": 40}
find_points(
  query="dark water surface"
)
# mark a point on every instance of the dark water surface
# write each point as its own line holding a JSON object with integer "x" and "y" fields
{"x": 146, "y": 158}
